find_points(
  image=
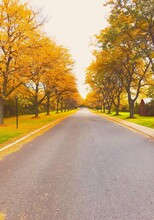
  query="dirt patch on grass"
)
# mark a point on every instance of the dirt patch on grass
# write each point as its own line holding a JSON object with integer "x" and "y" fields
{"x": 34, "y": 117}
{"x": 4, "y": 125}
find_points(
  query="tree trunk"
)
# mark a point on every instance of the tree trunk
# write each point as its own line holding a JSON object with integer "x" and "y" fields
{"x": 1, "y": 110}
{"x": 109, "y": 109}
{"x": 104, "y": 108}
{"x": 36, "y": 101}
{"x": 117, "y": 110}
{"x": 36, "y": 110}
{"x": 61, "y": 106}
{"x": 117, "y": 105}
{"x": 101, "y": 107}
{"x": 131, "y": 108}
{"x": 57, "y": 106}
{"x": 48, "y": 104}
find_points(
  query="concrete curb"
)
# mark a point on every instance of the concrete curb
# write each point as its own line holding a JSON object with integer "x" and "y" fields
{"x": 139, "y": 128}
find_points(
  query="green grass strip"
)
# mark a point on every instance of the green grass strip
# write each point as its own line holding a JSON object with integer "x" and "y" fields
{"x": 27, "y": 124}
{"x": 147, "y": 121}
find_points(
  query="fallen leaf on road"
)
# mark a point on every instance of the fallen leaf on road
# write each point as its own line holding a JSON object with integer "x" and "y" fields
{"x": 2, "y": 216}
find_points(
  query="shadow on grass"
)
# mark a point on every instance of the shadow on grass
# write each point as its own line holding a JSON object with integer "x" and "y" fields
{"x": 35, "y": 117}
{"x": 131, "y": 117}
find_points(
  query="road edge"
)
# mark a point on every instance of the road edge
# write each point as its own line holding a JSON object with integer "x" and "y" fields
{"x": 148, "y": 132}
{"x": 34, "y": 132}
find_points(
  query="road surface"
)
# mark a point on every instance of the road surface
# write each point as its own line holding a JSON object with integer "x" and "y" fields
{"x": 85, "y": 168}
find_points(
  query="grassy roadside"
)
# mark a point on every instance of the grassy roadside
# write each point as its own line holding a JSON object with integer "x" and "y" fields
{"x": 27, "y": 124}
{"x": 147, "y": 121}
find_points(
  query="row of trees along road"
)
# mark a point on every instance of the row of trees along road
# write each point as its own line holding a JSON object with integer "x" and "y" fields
{"x": 32, "y": 65}
{"x": 124, "y": 55}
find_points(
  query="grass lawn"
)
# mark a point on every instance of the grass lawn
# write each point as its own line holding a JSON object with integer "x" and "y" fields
{"x": 147, "y": 121}
{"x": 27, "y": 124}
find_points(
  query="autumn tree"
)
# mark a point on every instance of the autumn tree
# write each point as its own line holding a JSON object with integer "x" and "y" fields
{"x": 41, "y": 70}
{"x": 66, "y": 91}
{"x": 49, "y": 76}
{"x": 94, "y": 100}
{"x": 64, "y": 80}
{"x": 137, "y": 22}
{"x": 18, "y": 23}
{"x": 124, "y": 44}
{"x": 101, "y": 76}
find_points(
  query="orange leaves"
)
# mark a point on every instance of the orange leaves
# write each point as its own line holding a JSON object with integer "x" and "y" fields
{"x": 28, "y": 57}
{"x": 17, "y": 27}
{"x": 124, "y": 51}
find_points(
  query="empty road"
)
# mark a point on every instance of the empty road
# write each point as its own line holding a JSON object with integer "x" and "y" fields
{"x": 85, "y": 168}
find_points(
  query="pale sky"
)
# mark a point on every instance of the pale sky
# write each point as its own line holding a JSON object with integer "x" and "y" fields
{"x": 73, "y": 23}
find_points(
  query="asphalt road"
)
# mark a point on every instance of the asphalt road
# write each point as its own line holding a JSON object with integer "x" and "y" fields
{"x": 85, "y": 168}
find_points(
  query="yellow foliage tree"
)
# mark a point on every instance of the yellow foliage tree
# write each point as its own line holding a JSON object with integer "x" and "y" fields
{"x": 18, "y": 24}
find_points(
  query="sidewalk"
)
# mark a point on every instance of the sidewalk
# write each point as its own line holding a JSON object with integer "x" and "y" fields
{"x": 139, "y": 128}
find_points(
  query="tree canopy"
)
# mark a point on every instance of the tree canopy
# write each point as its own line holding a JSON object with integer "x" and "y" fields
{"x": 32, "y": 65}
{"x": 124, "y": 54}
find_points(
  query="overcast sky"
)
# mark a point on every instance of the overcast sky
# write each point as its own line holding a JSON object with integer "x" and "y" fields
{"x": 73, "y": 23}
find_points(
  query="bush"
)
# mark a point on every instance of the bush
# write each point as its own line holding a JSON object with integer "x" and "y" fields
{"x": 125, "y": 108}
{"x": 136, "y": 108}
{"x": 150, "y": 108}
